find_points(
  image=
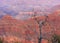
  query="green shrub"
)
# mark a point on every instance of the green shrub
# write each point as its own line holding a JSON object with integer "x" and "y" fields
{"x": 56, "y": 39}
{"x": 1, "y": 41}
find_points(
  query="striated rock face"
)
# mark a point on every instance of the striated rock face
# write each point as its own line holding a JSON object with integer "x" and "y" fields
{"x": 28, "y": 31}
{"x": 22, "y": 30}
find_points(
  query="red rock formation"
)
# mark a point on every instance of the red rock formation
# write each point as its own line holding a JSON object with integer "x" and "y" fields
{"x": 24, "y": 30}
{"x": 27, "y": 31}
